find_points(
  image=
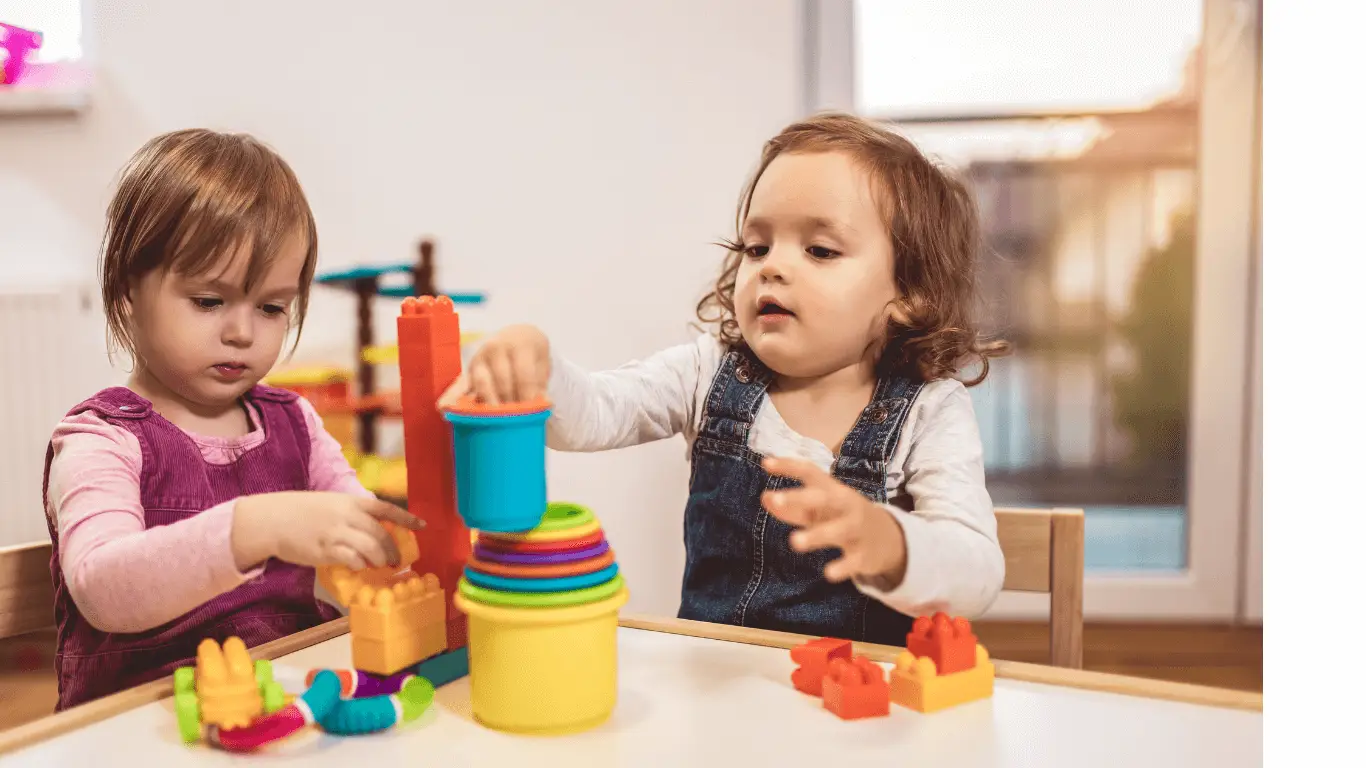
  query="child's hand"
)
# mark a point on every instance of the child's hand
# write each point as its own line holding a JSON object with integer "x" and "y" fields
{"x": 512, "y": 366}
{"x": 316, "y": 528}
{"x": 829, "y": 513}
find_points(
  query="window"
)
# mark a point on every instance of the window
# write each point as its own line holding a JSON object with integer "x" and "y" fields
{"x": 1075, "y": 122}
{"x": 58, "y": 20}
{"x": 58, "y": 74}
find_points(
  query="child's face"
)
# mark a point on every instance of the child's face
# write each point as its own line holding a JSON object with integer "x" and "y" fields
{"x": 206, "y": 339}
{"x": 814, "y": 285}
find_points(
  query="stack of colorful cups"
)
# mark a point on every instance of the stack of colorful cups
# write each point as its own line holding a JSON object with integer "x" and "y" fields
{"x": 543, "y": 610}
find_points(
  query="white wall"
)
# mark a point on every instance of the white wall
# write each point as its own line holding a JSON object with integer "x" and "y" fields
{"x": 575, "y": 160}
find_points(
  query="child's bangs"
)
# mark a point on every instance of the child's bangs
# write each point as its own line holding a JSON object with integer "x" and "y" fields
{"x": 245, "y": 202}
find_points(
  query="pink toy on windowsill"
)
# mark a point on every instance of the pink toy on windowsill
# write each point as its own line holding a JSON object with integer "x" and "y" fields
{"x": 18, "y": 43}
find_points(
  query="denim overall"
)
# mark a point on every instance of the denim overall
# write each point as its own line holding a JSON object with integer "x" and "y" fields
{"x": 177, "y": 484}
{"x": 740, "y": 567}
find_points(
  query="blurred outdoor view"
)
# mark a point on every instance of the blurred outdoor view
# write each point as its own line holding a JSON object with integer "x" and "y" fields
{"x": 1075, "y": 121}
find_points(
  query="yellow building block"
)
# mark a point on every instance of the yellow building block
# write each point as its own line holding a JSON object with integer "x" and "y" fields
{"x": 396, "y": 627}
{"x": 916, "y": 683}
{"x": 225, "y": 679}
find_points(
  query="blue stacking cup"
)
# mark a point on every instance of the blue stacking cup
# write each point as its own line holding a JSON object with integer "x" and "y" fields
{"x": 499, "y": 468}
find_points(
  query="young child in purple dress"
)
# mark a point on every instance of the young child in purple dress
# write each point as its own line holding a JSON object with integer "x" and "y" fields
{"x": 194, "y": 502}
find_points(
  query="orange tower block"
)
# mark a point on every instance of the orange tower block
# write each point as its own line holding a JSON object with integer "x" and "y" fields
{"x": 948, "y": 641}
{"x": 428, "y": 363}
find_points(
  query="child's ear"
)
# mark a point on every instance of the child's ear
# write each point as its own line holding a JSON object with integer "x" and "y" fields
{"x": 899, "y": 311}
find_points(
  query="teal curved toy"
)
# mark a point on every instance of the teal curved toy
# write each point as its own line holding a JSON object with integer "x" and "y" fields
{"x": 559, "y": 584}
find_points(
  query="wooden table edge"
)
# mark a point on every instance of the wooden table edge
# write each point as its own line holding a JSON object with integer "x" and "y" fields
{"x": 78, "y": 717}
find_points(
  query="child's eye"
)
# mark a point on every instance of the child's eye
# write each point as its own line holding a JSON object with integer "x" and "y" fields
{"x": 821, "y": 252}
{"x": 206, "y": 302}
{"x": 273, "y": 309}
{"x": 756, "y": 251}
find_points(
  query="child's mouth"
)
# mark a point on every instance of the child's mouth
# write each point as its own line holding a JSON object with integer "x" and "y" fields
{"x": 230, "y": 370}
{"x": 774, "y": 310}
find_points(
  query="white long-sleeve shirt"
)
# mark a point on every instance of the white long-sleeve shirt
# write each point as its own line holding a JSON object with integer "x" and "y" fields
{"x": 953, "y": 558}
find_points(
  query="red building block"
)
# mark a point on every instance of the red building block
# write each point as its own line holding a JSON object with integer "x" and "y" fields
{"x": 856, "y": 689}
{"x": 428, "y": 363}
{"x": 948, "y": 641}
{"x": 813, "y": 658}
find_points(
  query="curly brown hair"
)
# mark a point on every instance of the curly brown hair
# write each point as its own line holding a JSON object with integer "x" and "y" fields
{"x": 936, "y": 240}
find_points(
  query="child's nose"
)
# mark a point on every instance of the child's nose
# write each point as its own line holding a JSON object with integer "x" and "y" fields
{"x": 777, "y": 264}
{"x": 237, "y": 331}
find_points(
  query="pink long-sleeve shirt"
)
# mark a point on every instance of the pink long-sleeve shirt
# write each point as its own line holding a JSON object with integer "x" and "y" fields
{"x": 125, "y": 577}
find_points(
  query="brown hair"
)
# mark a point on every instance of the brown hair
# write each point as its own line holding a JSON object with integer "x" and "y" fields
{"x": 188, "y": 197}
{"x": 932, "y": 219}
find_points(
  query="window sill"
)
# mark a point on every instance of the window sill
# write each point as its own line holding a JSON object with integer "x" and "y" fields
{"x": 56, "y": 89}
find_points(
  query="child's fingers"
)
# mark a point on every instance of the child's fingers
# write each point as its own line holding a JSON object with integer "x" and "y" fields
{"x": 481, "y": 382}
{"x": 840, "y": 569}
{"x": 383, "y": 510}
{"x": 369, "y": 538}
{"x": 799, "y": 507}
{"x": 803, "y": 472}
{"x": 840, "y": 532}
{"x": 344, "y": 555}
{"x": 453, "y": 393}
{"x": 504, "y": 380}
{"x": 525, "y": 370}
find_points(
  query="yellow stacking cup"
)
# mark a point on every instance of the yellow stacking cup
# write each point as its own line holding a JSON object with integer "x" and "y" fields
{"x": 543, "y": 671}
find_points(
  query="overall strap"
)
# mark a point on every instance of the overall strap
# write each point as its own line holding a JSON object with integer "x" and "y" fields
{"x": 736, "y": 392}
{"x": 863, "y": 456}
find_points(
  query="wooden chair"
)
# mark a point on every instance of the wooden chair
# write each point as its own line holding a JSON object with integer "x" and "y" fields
{"x": 26, "y": 596}
{"x": 1044, "y": 553}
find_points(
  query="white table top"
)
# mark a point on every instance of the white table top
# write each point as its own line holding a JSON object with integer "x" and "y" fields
{"x": 691, "y": 701}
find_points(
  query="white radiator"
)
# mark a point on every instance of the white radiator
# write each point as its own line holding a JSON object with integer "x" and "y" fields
{"x": 52, "y": 356}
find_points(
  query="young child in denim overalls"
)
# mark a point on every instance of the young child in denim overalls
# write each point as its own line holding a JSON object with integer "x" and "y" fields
{"x": 194, "y": 503}
{"x": 837, "y": 482}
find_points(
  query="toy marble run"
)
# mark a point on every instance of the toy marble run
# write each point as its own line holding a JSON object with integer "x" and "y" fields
{"x": 347, "y": 400}
{"x": 942, "y": 666}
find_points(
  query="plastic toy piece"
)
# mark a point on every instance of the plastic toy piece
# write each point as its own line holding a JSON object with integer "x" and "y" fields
{"x": 352, "y": 717}
{"x": 813, "y": 659}
{"x": 526, "y": 554}
{"x": 498, "y": 544}
{"x": 428, "y": 363}
{"x": 316, "y": 703}
{"x": 345, "y": 584}
{"x": 224, "y": 689}
{"x": 949, "y": 641}
{"x": 18, "y": 44}
{"x": 547, "y": 571}
{"x": 439, "y": 670}
{"x": 396, "y": 627}
{"x": 917, "y": 685}
{"x": 855, "y": 689}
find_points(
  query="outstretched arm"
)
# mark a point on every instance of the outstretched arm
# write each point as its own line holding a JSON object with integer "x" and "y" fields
{"x": 642, "y": 401}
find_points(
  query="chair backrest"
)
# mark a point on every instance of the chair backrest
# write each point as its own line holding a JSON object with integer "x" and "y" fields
{"x": 26, "y": 597}
{"x": 1044, "y": 551}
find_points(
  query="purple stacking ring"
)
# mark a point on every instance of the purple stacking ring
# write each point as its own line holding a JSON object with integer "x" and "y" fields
{"x": 539, "y": 558}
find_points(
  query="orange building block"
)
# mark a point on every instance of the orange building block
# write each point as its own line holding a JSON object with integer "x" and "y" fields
{"x": 949, "y": 641}
{"x": 917, "y": 685}
{"x": 428, "y": 363}
{"x": 396, "y": 627}
{"x": 813, "y": 658}
{"x": 225, "y": 680}
{"x": 855, "y": 689}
